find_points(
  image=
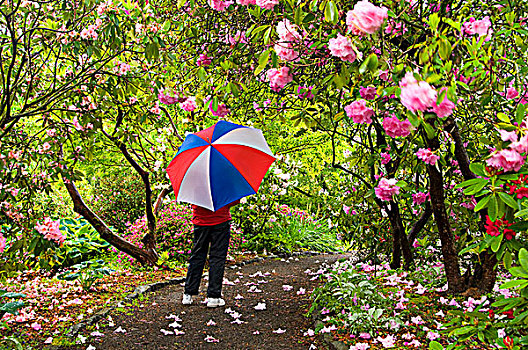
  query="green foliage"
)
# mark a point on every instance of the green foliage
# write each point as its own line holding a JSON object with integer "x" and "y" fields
{"x": 7, "y": 305}
{"x": 118, "y": 198}
{"x": 87, "y": 273}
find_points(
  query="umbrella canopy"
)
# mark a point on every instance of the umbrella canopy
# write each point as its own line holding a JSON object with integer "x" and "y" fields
{"x": 219, "y": 165}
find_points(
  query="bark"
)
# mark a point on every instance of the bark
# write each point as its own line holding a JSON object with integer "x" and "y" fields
{"x": 420, "y": 224}
{"x": 144, "y": 256}
{"x": 449, "y": 252}
{"x": 159, "y": 200}
{"x": 400, "y": 243}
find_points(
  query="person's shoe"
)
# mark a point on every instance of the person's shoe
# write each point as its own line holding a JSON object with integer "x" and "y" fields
{"x": 187, "y": 299}
{"x": 215, "y": 302}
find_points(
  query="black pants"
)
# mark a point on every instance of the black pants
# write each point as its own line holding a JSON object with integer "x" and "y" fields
{"x": 217, "y": 237}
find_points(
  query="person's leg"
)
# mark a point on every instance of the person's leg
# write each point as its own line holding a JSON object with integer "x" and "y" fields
{"x": 197, "y": 259}
{"x": 217, "y": 257}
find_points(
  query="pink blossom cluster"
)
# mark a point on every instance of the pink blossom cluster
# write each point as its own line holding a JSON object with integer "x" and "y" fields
{"x": 203, "y": 60}
{"x": 386, "y": 189}
{"x": 246, "y": 2}
{"x": 510, "y": 158}
{"x": 342, "y": 47}
{"x": 420, "y": 197}
{"x": 50, "y": 230}
{"x": 189, "y": 104}
{"x": 359, "y": 112}
{"x": 395, "y": 29}
{"x": 167, "y": 99}
{"x": 285, "y": 51}
{"x": 3, "y": 243}
{"x": 278, "y": 78}
{"x": 267, "y": 4}
{"x": 445, "y": 108}
{"x": 221, "y": 111}
{"x": 288, "y": 31}
{"x": 480, "y": 27}
{"x": 219, "y": 5}
{"x": 122, "y": 68}
{"x": 385, "y": 158}
{"x": 427, "y": 156}
{"x": 365, "y": 18}
{"x": 368, "y": 93}
{"x": 89, "y": 32}
{"x": 395, "y": 127}
{"x": 416, "y": 96}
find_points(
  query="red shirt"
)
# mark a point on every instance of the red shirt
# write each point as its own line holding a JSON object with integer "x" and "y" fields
{"x": 206, "y": 217}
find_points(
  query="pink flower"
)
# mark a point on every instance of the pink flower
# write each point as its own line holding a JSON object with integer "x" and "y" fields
{"x": 368, "y": 93}
{"x": 420, "y": 197}
{"x": 285, "y": 52}
{"x": 288, "y": 31}
{"x": 167, "y": 99}
{"x": 427, "y": 156}
{"x": 386, "y": 189}
{"x": 36, "y": 326}
{"x": 342, "y": 47}
{"x": 511, "y": 93}
{"x": 385, "y": 158}
{"x": 395, "y": 127}
{"x": 445, "y": 108}
{"x": 3, "y": 243}
{"x": 219, "y": 5}
{"x": 221, "y": 111}
{"x": 359, "y": 112}
{"x": 50, "y": 230}
{"x": 189, "y": 104}
{"x": 246, "y": 2}
{"x": 365, "y": 18}
{"x": 480, "y": 27}
{"x": 416, "y": 96}
{"x": 203, "y": 60}
{"x": 359, "y": 346}
{"x": 508, "y": 135}
{"x": 278, "y": 78}
{"x": 267, "y": 4}
{"x": 520, "y": 146}
{"x": 388, "y": 342}
{"x": 508, "y": 159}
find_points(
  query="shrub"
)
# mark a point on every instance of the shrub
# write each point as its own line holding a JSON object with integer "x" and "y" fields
{"x": 174, "y": 233}
{"x": 119, "y": 199}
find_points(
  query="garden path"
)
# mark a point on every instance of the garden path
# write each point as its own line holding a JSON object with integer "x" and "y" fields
{"x": 277, "y": 284}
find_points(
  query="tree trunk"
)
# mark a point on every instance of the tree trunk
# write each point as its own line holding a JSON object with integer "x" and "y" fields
{"x": 399, "y": 240}
{"x": 436, "y": 191}
{"x": 144, "y": 256}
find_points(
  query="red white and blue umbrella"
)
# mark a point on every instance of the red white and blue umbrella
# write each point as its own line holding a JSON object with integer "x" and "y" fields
{"x": 219, "y": 165}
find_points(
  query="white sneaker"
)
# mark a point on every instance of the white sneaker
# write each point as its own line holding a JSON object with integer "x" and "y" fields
{"x": 187, "y": 299}
{"x": 215, "y": 302}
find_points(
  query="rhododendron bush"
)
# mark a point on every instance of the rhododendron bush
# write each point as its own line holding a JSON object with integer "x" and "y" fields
{"x": 428, "y": 98}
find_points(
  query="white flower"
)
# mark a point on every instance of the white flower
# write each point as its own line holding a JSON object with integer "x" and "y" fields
{"x": 260, "y": 307}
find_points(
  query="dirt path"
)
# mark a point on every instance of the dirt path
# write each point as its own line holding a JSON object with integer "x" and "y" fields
{"x": 238, "y": 325}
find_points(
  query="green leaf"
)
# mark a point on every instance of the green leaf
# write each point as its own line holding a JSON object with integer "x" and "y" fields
{"x": 507, "y": 259}
{"x": 434, "y": 345}
{"x": 523, "y": 258}
{"x": 496, "y": 242}
{"x": 511, "y": 284}
{"x": 521, "y": 213}
{"x": 478, "y": 169}
{"x": 12, "y": 307}
{"x": 493, "y": 208}
{"x": 363, "y": 67}
{"x": 444, "y": 49}
{"x": 518, "y": 271}
{"x": 508, "y": 200}
{"x": 263, "y": 58}
{"x": 519, "y": 113}
{"x": 434, "y": 20}
{"x": 215, "y": 103}
{"x": 331, "y": 13}
{"x": 503, "y": 117}
{"x": 373, "y": 62}
{"x": 483, "y": 203}
{"x": 428, "y": 130}
{"x": 519, "y": 226}
{"x": 469, "y": 182}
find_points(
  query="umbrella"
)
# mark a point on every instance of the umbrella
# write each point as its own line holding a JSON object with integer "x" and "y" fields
{"x": 219, "y": 165}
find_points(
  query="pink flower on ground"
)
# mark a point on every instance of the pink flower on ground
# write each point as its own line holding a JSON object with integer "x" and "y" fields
{"x": 219, "y": 5}
{"x": 386, "y": 189}
{"x": 445, "y": 108}
{"x": 36, "y": 326}
{"x": 359, "y": 112}
{"x": 342, "y": 47}
{"x": 388, "y": 342}
{"x": 288, "y": 31}
{"x": 278, "y": 78}
{"x": 365, "y": 18}
{"x": 267, "y": 4}
{"x": 508, "y": 159}
{"x": 189, "y": 104}
{"x": 511, "y": 93}
{"x": 359, "y": 346}
{"x": 417, "y": 96}
{"x": 3, "y": 243}
{"x": 368, "y": 93}
{"x": 395, "y": 127}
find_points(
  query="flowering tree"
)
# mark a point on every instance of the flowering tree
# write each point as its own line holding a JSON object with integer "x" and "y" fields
{"x": 415, "y": 84}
